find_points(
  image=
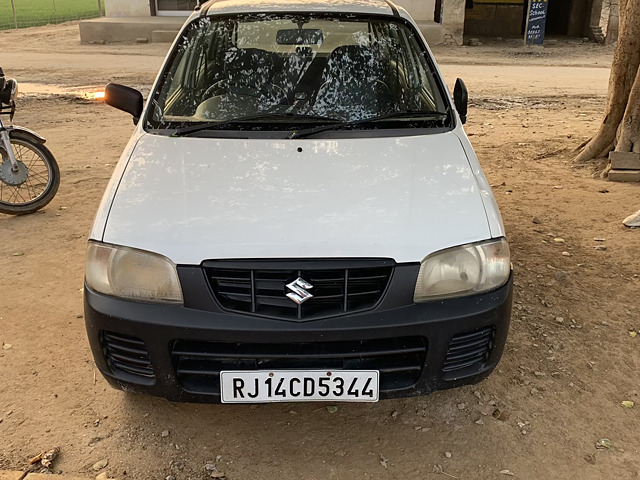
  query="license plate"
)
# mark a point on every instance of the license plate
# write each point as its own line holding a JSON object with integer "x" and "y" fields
{"x": 264, "y": 386}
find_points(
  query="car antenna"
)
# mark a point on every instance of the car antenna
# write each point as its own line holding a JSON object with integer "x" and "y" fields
{"x": 197, "y": 6}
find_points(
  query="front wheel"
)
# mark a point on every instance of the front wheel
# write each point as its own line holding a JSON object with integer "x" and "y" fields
{"x": 36, "y": 181}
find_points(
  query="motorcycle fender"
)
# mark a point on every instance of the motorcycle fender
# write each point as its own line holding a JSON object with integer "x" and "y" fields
{"x": 25, "y": 132}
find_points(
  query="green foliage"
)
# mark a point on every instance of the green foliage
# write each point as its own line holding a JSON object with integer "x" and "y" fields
{"x": 31, "y": 13}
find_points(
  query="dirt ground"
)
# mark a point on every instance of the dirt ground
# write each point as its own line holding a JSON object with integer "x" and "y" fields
{"x": 569, "y": 362}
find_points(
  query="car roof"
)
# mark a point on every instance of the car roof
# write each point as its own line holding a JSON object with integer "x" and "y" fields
{"x": 374, "y": 7}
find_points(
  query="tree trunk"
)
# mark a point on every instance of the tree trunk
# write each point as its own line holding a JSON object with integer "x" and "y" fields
{"x": 624, "y": 70}
{"x": 630, "y": 133}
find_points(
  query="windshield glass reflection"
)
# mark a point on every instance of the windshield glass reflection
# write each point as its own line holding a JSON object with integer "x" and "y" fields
{"x": 294, "y": 69}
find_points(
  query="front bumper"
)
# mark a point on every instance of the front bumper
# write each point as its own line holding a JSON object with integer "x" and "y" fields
{"x": 176, "y": 352}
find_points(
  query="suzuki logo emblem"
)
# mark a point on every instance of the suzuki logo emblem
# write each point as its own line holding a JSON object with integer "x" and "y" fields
{"x": 299, "y": 289}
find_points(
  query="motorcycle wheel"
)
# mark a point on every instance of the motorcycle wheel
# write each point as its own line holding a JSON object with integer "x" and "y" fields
{"x": 36, "y": 182}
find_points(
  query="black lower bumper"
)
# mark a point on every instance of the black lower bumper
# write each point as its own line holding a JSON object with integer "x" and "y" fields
{"x": 177, "y": 352}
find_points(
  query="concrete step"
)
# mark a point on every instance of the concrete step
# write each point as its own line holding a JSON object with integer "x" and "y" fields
{"x": 48, "y": 476}
{"x": 164, "y": 36}
{"x": 624, "y": 175}
{"x": 7, "y": 475}
{"x": 596, "y": 34}
{"x": 126, "y": 29}
{"x": 16, "y": 475}
{"x": 625, "y": 160}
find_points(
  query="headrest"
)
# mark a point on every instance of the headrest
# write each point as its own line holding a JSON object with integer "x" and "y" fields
{"x": 360, "y": 62}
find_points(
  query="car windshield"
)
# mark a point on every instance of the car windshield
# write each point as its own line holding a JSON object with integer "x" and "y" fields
{"x": 283, "y": 71}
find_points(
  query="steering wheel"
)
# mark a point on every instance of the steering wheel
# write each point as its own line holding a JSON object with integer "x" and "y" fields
{"x": 282, "y": 92}
{"x": 220, "y": 85}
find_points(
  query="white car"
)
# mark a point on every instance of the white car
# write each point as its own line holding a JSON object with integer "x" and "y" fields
{"x": 299, "y": 216}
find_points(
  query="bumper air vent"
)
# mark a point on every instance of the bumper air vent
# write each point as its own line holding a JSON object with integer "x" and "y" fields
{"x": 127, "y": 356}
{"x": 468, "y": 352}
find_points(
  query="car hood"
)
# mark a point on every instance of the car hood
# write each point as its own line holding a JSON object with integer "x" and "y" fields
{"x": 194, "y": 199}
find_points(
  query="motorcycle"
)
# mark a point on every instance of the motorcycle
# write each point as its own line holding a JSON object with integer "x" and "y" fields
{"x": 29, "y": 174}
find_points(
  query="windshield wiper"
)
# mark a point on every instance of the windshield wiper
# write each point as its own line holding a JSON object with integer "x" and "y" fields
{"x": 183, "y": 131}
{"x": 418, "y": 115}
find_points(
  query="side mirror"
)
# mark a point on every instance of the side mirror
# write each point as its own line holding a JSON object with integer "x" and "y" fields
{"x": 461, "y": 99}
{"x": 124, "y": 98}
{"x": 9, "y": 91}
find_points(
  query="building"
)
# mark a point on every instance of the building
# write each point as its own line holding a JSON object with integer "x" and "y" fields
{"x": 505, "y": 18}
{"x": 159, "y": 20}
{"x": 441, "y": 21}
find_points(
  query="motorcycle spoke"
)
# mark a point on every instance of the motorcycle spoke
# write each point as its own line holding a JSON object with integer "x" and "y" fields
{"x": 31, "y": 165}
{"x": 42, "y": 175}
{"x": 19, "y": 195}
{"x": 37, "y": 181}
{"x": 41, "y": 166}
{"x": 33, "y": 190}
{"x": 6, "y": 192}
{"x": 17, "y": 151}
{"x": 34, "y": 159}
{"x": 39, "y": 184}
{"x": 12, "y": 195}
{"x": 21, "y": 152}
{"x": 16, "y": 192}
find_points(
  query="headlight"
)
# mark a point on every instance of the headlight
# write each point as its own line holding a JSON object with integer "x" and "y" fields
{"x": 130, "y": 273}
{"x": 464, "y": 270}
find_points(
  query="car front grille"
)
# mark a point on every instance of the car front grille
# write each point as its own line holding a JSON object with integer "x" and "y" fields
{"x": 337, "y": 288}
{"x": 198, "y": 364}
{"x": 467, "y": 352}
{"x": 127, "y": 356}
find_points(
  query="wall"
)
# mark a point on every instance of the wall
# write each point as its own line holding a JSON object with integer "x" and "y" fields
{"x": 127, "y": 8}
{"x": 494, "y": 19}
{"x": 580, "y": 18}
{"x": 420, "y": 10}
{"x": 453, "y": 12}
{"x": 505, "y": 17}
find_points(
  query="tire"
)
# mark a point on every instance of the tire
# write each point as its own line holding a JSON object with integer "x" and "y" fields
{"x": 19, "y": 199}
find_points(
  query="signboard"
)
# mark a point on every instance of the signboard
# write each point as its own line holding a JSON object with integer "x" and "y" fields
{"x": 536, "y": 19}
